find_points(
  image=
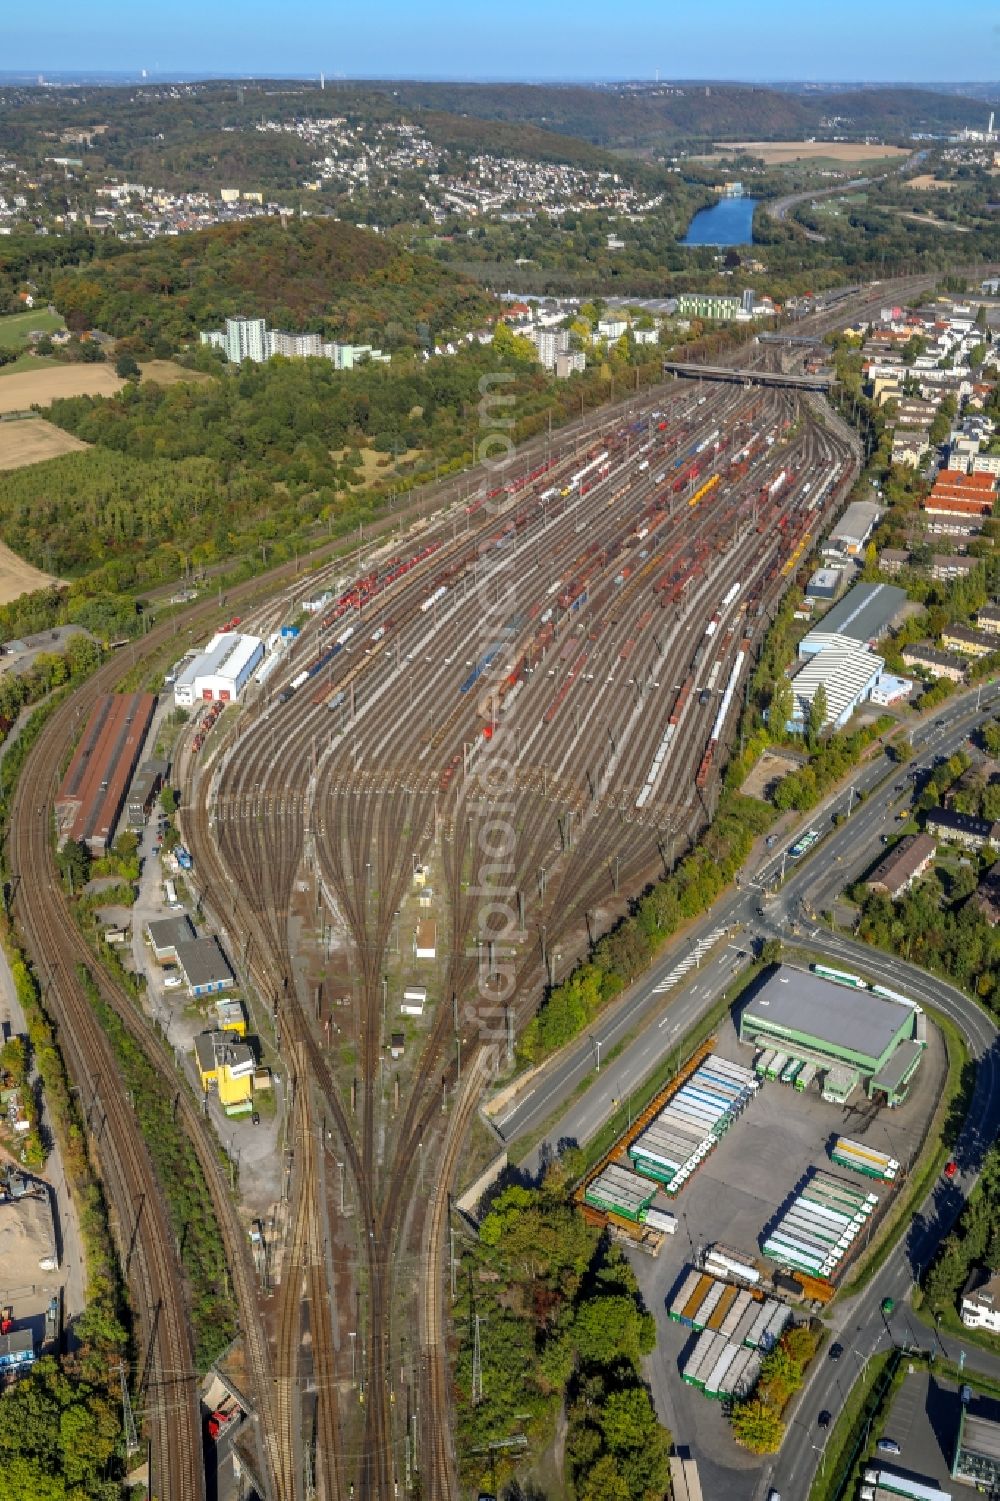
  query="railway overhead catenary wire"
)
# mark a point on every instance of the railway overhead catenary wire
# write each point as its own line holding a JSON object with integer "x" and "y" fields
{"x": 661, "y": 593}
{"x": 145, "y": 1243}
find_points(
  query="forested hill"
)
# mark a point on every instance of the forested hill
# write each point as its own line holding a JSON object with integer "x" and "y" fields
{"x": 317, "y": 275}
{"x": 655, "y": 115}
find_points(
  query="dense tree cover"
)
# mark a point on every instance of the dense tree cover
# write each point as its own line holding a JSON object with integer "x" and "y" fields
{"x": 561, "y": 1322}
{"x": 618, "y": 957}
{"x": 974, "y": 1243}
{"x": 304, "y": 274}
{"x": 254, "y": 462}
{"x": 936, "y": 923}
{"x": 831, "y": 759}
{"x": 945, "y": 932}
{"x": 757, "y": 1422}
{"x": 109, "y": 616}
{"x": 49, "y": 670}
{"x": 631, "y": 118}
{"x": 28, "y": 257}
{"x": 59, "y": 1434}
{"x": 188, "y": 1202}
{"x": 60, "y": 1424}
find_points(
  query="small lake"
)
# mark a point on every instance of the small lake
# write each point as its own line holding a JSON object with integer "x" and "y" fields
{"x": 728, "y": 222}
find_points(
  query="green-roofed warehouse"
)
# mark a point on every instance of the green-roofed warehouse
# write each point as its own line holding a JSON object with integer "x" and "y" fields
{"x": 858, "y": 1037}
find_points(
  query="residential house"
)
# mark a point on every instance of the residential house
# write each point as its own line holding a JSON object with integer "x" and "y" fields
{"x": 962, "y": 828}
{"x": 980, "y": 1302}
{"x": 905, "y": 863}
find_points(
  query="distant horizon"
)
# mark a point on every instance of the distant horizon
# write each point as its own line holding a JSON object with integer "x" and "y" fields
{"x": 42, "y": 77}
{"x": 449, "y": 41}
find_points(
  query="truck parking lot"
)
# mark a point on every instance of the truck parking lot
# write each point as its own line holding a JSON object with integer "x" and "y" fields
{"x": 736, "y": 1192}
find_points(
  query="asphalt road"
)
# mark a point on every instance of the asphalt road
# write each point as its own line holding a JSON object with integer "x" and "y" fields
{"x": 778, "y": 207}
{"x": 810, "y": 885}
{"x": 839, "y": 857}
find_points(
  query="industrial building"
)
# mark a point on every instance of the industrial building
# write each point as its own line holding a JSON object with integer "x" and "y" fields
{"x": 854, "y": 528}
{"x": 905, "y": 863}
{"x": 228, "y": 1067}
{"x": 231, "y": 1017}
{"x": 889, "y": 1485}
{"x": 92, "y": 795}
{"x": 863, "y": 615}
{"x": 825, "y": 584}
{"x": 891, "y": 690}
{"x": 221, "y": 671}
{"x": 167, "y": 934}
{"x": 425, "y": 939}
{"x": 204, "y": 966}
{"x": 857, "y": 1037}
{"x": 847, "y": 673}
{"x": 977, "y": 1445}
{"x": 145, "y": 787}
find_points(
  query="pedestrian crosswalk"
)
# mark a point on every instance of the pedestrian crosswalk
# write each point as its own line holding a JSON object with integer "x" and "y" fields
{"x": 690, "y": 960}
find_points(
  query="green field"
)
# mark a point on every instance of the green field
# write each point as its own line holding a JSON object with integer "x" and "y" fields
{"x": 15, "y": 328}
{"x": 25, "y": 361}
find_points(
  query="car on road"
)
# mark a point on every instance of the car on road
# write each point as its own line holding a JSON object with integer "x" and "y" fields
{"x": 836, "y": 1351}
{"x": 887, "y": 1446}
{"x": 888, "y": 1304}
{"x": 950, "y": 1168}
{"x": 825, "y": 1419}
{"x": 172, "y": 982}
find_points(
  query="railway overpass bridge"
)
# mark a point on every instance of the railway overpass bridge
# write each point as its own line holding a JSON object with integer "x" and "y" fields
{"x": 791, "y": 341}
{"x": 748, "y": 377}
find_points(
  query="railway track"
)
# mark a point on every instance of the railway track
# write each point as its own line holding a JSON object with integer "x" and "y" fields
{"x": 262, "y": 906}
{"x": 306, "y": 792}
{"x": 145, "y": 1240}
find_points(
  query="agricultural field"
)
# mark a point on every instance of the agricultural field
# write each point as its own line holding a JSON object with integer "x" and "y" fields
{"x": 169, "y": 373}
{"x": 18, "y": 577}
{"x": 15, "y": 327}
{"x": 30, "y": 440}
{"x": 927, "y": 182}
{"x": 779, "y": 153}
{"x": 42, "y": 382}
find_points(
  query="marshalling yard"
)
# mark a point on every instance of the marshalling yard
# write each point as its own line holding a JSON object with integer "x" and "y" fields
{"x": 502, "y": 719}
{"x": 526, "y": 702}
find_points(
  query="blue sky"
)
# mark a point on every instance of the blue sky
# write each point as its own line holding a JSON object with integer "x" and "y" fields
{"x": 771, "y": 39}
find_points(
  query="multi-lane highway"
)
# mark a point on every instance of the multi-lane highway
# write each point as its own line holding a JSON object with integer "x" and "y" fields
{"x": 687, "y": 980}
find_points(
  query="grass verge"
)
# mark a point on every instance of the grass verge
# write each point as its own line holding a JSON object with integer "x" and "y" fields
{"x": 188, "y": 1201}
{"x": 941, "y": 1134}
{"x": 848, "y": 1439}
{"x": 638, "y": 1098}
